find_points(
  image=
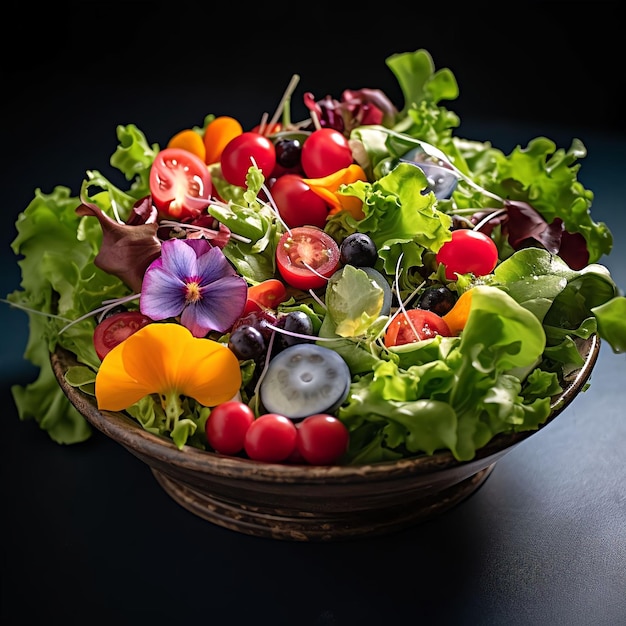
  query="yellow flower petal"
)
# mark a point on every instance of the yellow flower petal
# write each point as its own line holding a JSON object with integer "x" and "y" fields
{"x": 328, "y": 186}
{"x": 161, "y": 358}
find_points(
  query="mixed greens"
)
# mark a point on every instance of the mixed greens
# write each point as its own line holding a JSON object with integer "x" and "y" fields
{"x": 447, "y": 392}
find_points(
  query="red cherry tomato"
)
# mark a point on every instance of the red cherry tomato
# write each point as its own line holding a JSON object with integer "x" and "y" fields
{"x": 425, "y": 323}
{"x": 114, "y": 329}
{"x": 297, "y": 203}
{"x": 468, "y": 251}
{"x": 180, "y": 184}
{"x": 306, "y": 257}
{"x": 322, "y": 439}
{"x": 238, "y": 154}
{"x": 271, "y": 438}
{"x": 324, "y": 152}
{"x": 227, "y": 426}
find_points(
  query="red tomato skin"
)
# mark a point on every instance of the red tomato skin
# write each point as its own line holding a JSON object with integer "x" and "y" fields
{"x": 324, "y": 152}
{"x": 112, "y": 330}
{"x": 236, "y": 158}
{"x": 297, "y": 203}
{"x": 309, "y": 242}
{"x": 227, "y": 425}
{"x": 322, "y": 439}
{"x": 180, "y": 184}
{"x": 468, "y": 251}
{"x": 426, "y": 323}
{"x": 271, "y": 438}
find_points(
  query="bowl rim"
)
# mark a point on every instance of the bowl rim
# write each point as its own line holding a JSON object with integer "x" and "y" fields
{"x": 129, "y": 433}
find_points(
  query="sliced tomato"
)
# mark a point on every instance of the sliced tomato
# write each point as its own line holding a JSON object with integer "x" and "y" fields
{"x": 112, "y": 330}
{"x": 306, "y": 257}
{"x": 416, "y": 325}
{"x": 180, "y": 184}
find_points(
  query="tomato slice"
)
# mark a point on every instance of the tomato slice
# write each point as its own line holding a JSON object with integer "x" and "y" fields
{"x": 180, "y": 184}
{"x": 425, "y": 323}
{"x": 112, "y": 330}
{"x": 306, "y": 257}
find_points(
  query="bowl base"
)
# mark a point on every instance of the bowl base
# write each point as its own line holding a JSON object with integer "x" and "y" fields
{"x": 323, "y": 526}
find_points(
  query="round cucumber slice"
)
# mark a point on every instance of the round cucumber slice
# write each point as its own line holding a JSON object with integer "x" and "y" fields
{"x": 303, "y": 380}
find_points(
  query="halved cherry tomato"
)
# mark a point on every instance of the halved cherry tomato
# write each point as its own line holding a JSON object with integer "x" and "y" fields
{"x": 468, "y": 251}
{"x": 267, "y": 295}
{"x": 238, "y": 154}
{"x": 112, "y": 330}
{"x": 297, "y": 203}
{"x": 306, "y": 257}
{"x": 425, "y": 323}
{"x": 324, "y": 152}
{"x": 180, "y": 184}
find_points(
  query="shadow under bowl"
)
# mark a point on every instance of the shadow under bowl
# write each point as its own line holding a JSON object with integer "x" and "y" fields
{"x": 311, "y": 503}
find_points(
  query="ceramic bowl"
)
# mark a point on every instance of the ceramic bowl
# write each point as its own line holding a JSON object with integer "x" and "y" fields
{"x": 311, "y": 503}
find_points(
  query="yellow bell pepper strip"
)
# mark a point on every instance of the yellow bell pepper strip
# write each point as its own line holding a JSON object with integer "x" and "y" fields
{"x": 165, "y": 359}
{"x": 217, "y": 134}
{"x": 189, "y": 140}
{"x": 328, "y": 186}
{"x": 456, "y": 317}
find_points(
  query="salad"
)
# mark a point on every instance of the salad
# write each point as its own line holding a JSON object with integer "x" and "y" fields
{"x": 360, "y": 286}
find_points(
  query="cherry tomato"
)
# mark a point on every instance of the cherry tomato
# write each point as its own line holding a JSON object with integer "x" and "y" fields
{"x": 271, "y": 438}
{"x": 238, "y": 154}
{"x": 322, "y": 439}
{"x": 425, "y": 323}
{"x": 180, "y": 184}
{"x": 324, "y": 152}
{"x": 267, "y": 294}
{"x": 297, "y": 203}
{"x": 468, "y": 251}
{"x": 227, "y": 425}
{"x": 114, "y": 329}
{"x": 302, "y": 250}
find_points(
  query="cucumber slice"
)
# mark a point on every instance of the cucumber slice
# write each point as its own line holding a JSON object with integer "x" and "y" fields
{"x": 303, "y": 380}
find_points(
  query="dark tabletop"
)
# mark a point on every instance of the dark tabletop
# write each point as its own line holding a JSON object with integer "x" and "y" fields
{"x": 89, "y": 536}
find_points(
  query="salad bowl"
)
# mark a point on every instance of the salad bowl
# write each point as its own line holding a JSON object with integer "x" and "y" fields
{"x": 311, "y": 503}
{"x": 318, "y": 330}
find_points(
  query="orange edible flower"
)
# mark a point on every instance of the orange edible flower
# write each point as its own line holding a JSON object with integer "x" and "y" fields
{"x": 456, "y": 317}
{"x": 188, "y": 140}
{"x": 164, "y": 358}
{"x": 328, "y": 186}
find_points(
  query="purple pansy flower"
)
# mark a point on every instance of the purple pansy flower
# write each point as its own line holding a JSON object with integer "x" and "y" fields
{"x": 195, "y": 281}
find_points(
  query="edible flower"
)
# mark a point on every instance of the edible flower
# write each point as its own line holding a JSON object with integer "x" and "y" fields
{"x": 328, "y": 189}
{"x": 164, "y": 358}
{"x": 194, "y": 281}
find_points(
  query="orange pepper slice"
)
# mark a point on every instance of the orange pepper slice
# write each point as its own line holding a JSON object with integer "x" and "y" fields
{"x": 188, "y": 140}
{"x": 456, "y": 317}
{"x": 327, "y": 187}
{"x": 217, "y": 134}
